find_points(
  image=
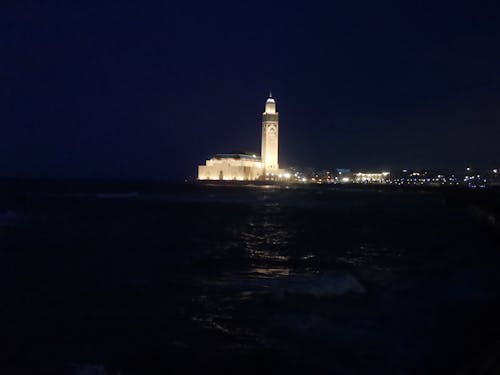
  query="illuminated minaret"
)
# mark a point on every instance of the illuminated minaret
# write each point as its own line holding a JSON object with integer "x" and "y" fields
{"x": 270, "y": 135}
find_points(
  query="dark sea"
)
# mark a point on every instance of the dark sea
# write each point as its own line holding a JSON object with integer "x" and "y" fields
{"x": 246, "y": 279}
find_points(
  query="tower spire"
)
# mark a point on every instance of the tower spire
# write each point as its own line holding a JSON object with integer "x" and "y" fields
{"x": 270, "y": 93}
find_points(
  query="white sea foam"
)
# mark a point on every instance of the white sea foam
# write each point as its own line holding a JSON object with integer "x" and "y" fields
{"x": 281, "y": 284}
{"x": 327, "y": 284}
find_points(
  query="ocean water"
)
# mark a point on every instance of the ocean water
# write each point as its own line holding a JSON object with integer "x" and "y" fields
{"x": 243, "y": 279}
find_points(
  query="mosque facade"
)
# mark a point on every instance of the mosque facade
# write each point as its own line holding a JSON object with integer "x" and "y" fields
{"x": 247, "y": 166}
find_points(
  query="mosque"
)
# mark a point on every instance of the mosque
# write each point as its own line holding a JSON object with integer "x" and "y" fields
{"x": 249, "y": 167}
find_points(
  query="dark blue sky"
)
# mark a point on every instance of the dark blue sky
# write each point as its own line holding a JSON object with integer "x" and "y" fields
{"x": 135, "y": 90}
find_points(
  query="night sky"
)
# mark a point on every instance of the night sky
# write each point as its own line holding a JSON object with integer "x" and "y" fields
{"x": 151, "y": 90}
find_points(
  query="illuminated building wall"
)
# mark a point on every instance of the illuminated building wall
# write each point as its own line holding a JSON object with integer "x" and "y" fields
{"x": 238, "y": 167}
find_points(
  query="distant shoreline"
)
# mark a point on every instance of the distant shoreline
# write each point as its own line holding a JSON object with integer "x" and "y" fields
{"x": 10, "y": 185}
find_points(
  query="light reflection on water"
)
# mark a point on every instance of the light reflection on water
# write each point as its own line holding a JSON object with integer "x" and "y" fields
{"x": 265, "y": 240}
{"x": 270, "y": 272}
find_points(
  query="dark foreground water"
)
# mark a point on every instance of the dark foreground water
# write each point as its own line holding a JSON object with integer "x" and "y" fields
{"x": 245, "y": 280}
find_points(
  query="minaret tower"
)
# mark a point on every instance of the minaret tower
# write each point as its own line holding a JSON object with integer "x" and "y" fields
{"x": 269, "y": 152}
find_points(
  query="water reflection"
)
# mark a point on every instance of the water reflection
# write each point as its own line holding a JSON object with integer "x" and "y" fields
{"x": 266, "y": 239}
{"x": 270, "y": 272}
